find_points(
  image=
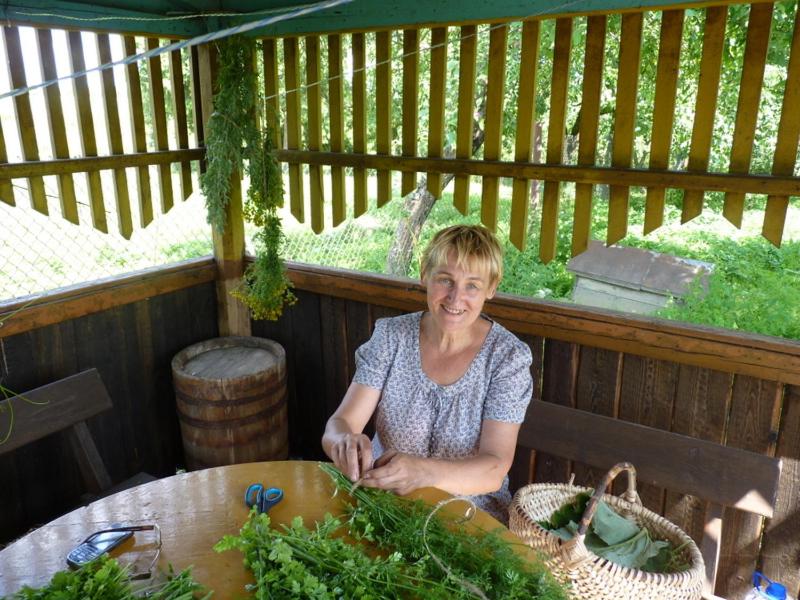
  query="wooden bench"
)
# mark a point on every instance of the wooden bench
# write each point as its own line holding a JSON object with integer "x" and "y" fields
{"x": 65, "y": 405}
{"x": 721, "y": 475}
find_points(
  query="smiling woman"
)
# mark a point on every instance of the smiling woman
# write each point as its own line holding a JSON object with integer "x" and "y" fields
{"x": 448, "y": 386}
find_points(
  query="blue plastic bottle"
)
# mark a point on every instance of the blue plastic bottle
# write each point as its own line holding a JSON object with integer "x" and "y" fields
{"x": 765, "y": 589}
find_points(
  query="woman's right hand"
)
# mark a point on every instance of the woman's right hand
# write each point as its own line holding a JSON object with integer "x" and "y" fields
{"x": 352, "y": 454}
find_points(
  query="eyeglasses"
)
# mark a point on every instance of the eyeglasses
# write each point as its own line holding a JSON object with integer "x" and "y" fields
{"x": 105, "y": 539}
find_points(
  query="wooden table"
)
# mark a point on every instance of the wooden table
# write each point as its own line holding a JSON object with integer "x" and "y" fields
{"x": 194, "y": 510}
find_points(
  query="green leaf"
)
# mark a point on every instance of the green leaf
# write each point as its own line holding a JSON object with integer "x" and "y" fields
{"x": 611, "y": 527}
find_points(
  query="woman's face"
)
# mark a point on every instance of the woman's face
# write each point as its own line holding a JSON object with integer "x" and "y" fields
{"x": 456, "y": 295}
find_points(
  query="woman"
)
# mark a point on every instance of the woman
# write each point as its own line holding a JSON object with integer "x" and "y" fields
{"x": 450, "y": 386}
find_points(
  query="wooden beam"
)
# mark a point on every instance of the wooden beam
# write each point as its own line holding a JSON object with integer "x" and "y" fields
{"x": 786, "y": 145}
{"x": 291, "y": 73}
{"x": 493, "y": 131}
{"x": 669, "y": 54}
{"x": 271, "y": 84}
{"x": 750, "y": 354}
{"x": 156, "y": 86}
{"x": 6, "y": 189}
{"x": 22, "y": 108}
{"x": 233, "y": 317}
{"x": 410, "y": 104}
{"x": 180, "y": 121}
{"x": 86, "y": 129}
{"x": 523, "y": 142}
{"x": 590, "y": 118}
{"x": 436, "y": 104}
{"x": 56, "y": 124}
{"x": 314, "y": 132}
{"x": 705, "y": 105}
{"x": 383, "y": 110}
{"x": 624, "y": 120}
{"x": 752, "y": 80}
{"x": 114, "y": 132}
{"x": 336, "y": 111}
{"x": 41, "y": 310}
{"x": 359, "y": 122}
{"x": 136, "y": 107}
{"x": 555, "y": 138}
{"x": 722, "y": 182}
{"x": 98, "y": 163}
{"x": 466, "y": 107}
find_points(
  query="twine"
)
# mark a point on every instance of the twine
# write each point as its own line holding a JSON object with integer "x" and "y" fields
{"x": 195, "y": 41}
{"x": 470, "y": 512}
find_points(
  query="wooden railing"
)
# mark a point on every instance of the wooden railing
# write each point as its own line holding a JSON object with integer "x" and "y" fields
{"x": 399, "y": 49}
{"x": 56, "y": 126}
{"x": 333, "y": 102}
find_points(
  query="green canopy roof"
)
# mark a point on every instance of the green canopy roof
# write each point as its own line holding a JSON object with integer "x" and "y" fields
{"x": 177, "y": 18}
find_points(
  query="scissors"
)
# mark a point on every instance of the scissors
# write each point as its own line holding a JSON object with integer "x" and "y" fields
{"x": 262, "y": 498}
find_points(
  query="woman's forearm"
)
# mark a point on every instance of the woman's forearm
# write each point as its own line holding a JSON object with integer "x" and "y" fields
{"x": 480, "y": 474}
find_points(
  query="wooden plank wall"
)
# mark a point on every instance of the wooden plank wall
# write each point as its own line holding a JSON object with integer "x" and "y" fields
{"x": 398, "y": 49}
{"x": 118, "y": 202}
{"x": 322, "y": 331}
{"x": 131, "y": 346}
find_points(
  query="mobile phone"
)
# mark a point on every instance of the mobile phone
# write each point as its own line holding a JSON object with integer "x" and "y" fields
{"x": 96, "y": 545}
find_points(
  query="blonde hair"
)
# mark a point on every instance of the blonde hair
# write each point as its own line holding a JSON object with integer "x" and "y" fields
{"x": 473, "y": 245}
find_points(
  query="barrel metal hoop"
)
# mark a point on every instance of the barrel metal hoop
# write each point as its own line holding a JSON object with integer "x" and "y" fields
{"x": 229, "y": 423}
{"x": 276, "y": 386}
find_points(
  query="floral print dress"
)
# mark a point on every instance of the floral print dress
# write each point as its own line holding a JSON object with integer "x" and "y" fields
{"x": 417, "y": 416}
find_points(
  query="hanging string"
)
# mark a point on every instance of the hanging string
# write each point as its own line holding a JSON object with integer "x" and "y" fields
{"x": 196, "y": 41}
{"x": 306, "y": 9}
{"x": 173, "y": 17}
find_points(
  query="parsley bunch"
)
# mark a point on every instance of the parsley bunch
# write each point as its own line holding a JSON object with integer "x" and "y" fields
{"x": 389, "y": 558}
{"x": 106, "y": 579}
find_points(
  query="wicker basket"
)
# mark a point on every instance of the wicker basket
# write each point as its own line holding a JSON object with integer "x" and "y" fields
{"x": 589, "y": 575}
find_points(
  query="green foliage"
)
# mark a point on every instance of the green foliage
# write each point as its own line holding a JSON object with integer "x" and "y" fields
{"x": 299, "y": 562}
{"x": 105, "y": 579}
{"x": 474, "y": 558}
{"x": 235, "y": 143}
{"x": 186, "y": 250}
{"x": 754, "y": 287}
{"x": 616, "y": 538}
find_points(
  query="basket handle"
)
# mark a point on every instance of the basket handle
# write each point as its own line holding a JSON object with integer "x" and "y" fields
{"x": 630, "y": 495}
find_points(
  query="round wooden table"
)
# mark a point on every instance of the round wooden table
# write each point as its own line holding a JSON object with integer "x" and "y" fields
{"x": 193, "y": 510}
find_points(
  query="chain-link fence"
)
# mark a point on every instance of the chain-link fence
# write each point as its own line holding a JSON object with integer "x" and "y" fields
{"x": 43, "y": 252}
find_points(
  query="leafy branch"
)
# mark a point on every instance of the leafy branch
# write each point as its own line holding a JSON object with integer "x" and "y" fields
{"x": 236, "y": 143}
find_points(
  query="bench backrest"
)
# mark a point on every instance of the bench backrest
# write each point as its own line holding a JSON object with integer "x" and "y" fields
{"x": 61, "y": 406}
{"x": 721, "y": 475}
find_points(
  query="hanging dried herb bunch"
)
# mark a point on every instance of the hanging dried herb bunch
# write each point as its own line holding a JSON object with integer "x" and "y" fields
{"x": 234, "y": 140}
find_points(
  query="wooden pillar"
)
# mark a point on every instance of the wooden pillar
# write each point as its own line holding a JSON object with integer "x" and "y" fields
{"x": 233, "y": 317}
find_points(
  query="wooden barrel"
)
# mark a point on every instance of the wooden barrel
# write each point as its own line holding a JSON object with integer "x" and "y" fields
{"x": 231, "y": 399}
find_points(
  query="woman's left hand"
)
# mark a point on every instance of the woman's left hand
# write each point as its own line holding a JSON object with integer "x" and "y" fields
{"x": 398, "y": 472}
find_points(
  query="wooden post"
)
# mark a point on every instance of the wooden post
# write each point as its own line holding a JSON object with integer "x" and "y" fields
{"x": 233, "y": 317}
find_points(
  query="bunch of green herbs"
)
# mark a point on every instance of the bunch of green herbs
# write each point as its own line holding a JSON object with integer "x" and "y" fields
{"x": 297, "y": 562}
{"x": 235, "y": 142}
{"x": 106, "y": 579}
{"x": 482, "y": 559}
{"x": 386, "y": 558}
{"x": 615, "y": 538}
